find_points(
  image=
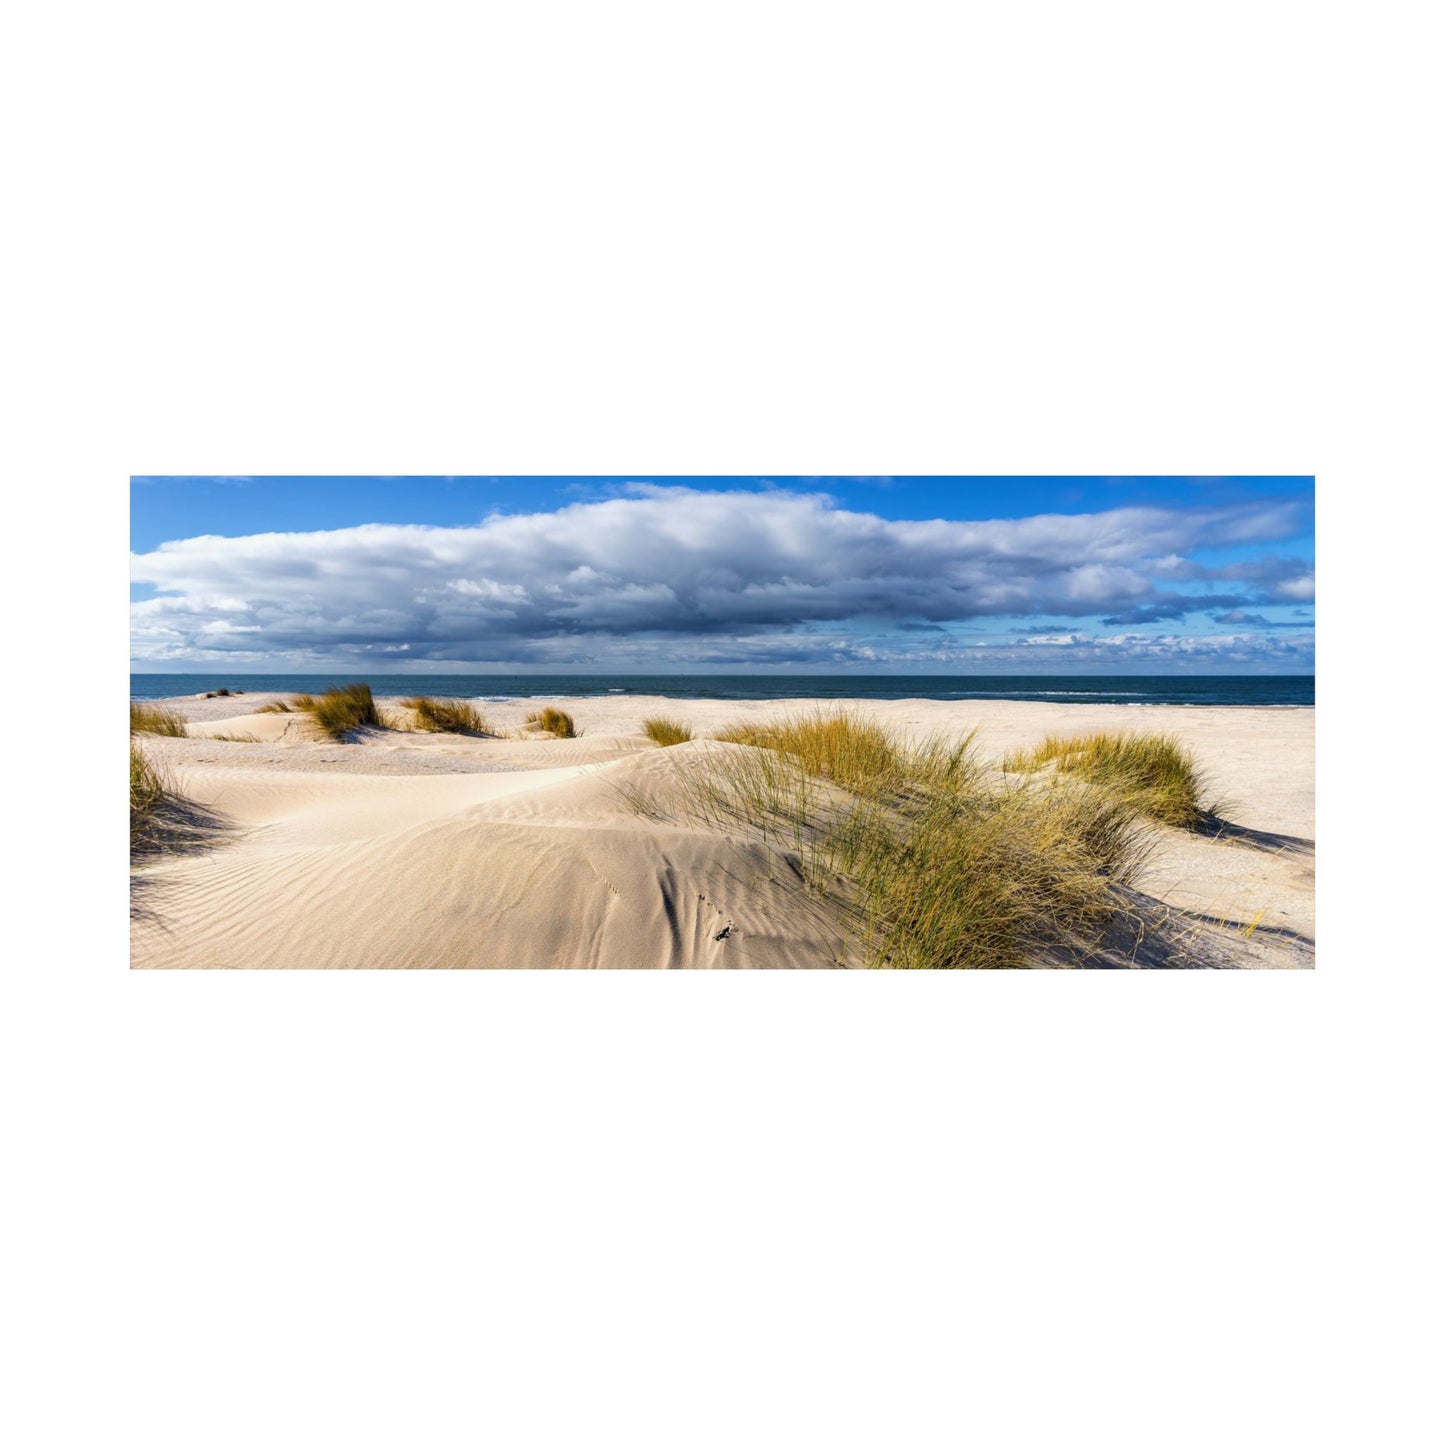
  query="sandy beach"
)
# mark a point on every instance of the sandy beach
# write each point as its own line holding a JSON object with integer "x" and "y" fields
{"x": 418, "y": 850}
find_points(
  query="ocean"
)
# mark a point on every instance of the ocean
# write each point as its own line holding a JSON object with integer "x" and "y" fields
{"x": 501, "y": 687}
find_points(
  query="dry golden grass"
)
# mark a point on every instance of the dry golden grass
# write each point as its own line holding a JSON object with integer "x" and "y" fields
{"x": 147, "y": 793}
{"x": 338, "y": 710}
{"x": 553, "y": 720}
{"x": 277, "y": 706}
{"x": 666, "y": 732}
{"x": 1153, "y": 771}
{"x": 836, "y": 745}
{"x": 992, "y": 881}
{"x": 931, "y": 863}
{"x": 447, "y": 715}
{"x": 859, "y": 754}
{"x": 162, "y": 821}
{"x": 152, "y": 718}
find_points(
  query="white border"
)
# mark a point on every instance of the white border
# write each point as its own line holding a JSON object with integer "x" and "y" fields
{"x": 649, "y": 238}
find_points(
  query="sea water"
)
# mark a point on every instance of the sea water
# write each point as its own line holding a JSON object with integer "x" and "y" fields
{"x": 1283, "y": 691}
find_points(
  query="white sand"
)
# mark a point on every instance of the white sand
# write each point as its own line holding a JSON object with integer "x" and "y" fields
{"x": 416, "y": 850}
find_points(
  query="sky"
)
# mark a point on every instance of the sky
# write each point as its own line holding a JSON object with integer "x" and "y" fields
{"x": 953, "y": 575}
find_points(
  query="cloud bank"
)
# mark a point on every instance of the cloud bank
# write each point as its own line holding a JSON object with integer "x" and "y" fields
{"x": 666, "y": 576}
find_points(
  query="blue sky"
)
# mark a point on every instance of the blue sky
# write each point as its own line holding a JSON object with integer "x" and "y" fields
{"x": 819, "y": 574}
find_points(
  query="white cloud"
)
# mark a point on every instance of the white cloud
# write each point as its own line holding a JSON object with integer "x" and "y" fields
{"x": 1296, "y": 589}
{"x": 663, "y": 574}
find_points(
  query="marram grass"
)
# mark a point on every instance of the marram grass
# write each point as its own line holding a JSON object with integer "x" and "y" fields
{"x": 147, "y": 793}
{"x": 337, "y": 711}
{"x": 162, "y": 820}
{"x": 931, "y": 860}
{"x": 553, "y": 720}
{"x": 148, "y": 717}
{"x": 859, "y": 754}
{"x": 1153, "y": 771}
{"x": 446, "y": 715}
{"x": 666, "y": 732}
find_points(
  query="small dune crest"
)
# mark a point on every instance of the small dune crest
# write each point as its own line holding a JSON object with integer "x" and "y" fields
{"x": 260, "y": 727}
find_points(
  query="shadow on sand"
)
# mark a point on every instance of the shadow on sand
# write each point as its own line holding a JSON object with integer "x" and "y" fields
{"x": 1149, "y": 934}
{"x": 1222, "y": 830}
{"x": 178, "y": 828}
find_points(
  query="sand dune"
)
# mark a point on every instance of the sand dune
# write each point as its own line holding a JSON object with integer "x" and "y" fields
{"x": 543, "y": 867}
{"x": 410, "y": 850}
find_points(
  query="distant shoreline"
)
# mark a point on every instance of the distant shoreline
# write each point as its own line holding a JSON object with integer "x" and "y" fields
{"x": 1281, "y": 691}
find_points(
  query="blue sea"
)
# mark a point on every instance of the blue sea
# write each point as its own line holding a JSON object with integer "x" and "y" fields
{"x": 500, "y": 687}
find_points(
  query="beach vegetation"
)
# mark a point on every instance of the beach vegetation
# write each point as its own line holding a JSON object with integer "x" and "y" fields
{"x": 447, "y": 715}
{"x": 340, "y": 710}
{"x": 148, "y": 717}
{"x": 147, "y": 793}
{"x": 1155, "y": 772}
{"x": 666, "y": 732}
{"x": 162, "y": 821}
{"x": 553, "y": 720}
{"x": 859, "y": 754}
{"x": 931, "y": 859}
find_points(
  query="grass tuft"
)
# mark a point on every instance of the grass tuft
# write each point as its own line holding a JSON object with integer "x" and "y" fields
{"x": 340, "y": 710}
{"x": 277, "y": 706}
{"x": 162, "y": 821}
{"x": 553, "y": 720}
{"x": 666, "y": 732}
{"x": 147, "y": 793}
{"x": 152, "y": 718}
{"x": 932, "y": 862}
{"x": 1153, "y": 771}
{"x": 447, "y": 715}
{"x": 859, "y": 754}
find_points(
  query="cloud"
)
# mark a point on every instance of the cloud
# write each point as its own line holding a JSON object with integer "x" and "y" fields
{"x": 667, "y": 573}
{"x": 1150, "y": 612}
{"x": 1295, "y": 589}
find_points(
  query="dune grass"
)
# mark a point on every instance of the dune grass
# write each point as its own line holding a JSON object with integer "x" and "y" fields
{"x": 163, "y": 822}
{"x": 337, "y": 711}
{"x": 277, "y": 706}
{"x": 152, "y": 718}
{"x": 1153, "y": 771}
{"x": 932, "y": 860}
{"x": 989, "y": 882}
{"x": 553, "y": 720}
{"x": 147, "y": 793}
{"x": 836, "y": 745}
{"x": 861, "y": 755}
{"x": 666, "y": 732}
{"x": 447, "y": 715}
